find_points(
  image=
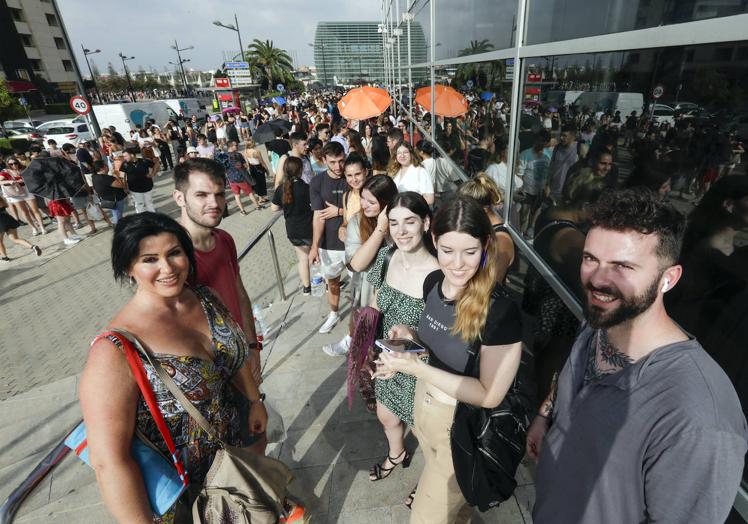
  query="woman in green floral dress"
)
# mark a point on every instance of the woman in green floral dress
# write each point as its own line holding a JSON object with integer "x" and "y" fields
{"x": 399, "y": 296}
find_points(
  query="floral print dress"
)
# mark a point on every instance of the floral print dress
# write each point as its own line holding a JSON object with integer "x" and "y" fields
{"x": 207, "y": 385}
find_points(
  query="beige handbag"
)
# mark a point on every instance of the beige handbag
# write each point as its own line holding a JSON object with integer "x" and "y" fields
{"x": 241, "y": 486}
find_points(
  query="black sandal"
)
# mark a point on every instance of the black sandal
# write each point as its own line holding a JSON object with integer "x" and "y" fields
{"x": 411, "y": 498}
{"x": 380, "y": 473}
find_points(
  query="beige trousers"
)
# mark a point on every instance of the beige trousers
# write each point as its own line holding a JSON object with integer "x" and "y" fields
{"x": 438, "y": 498}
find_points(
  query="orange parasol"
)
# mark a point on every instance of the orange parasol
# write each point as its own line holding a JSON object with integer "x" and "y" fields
{"x": 364, "y": 102}
{"x": 449, "y": 102}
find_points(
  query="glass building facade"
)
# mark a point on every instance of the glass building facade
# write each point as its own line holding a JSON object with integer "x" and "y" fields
{"x": 350, "y": 53}
{"x": 655, "y": 94}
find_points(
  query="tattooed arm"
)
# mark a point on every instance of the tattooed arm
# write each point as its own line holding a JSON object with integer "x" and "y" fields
{"x": 542, "y": 421}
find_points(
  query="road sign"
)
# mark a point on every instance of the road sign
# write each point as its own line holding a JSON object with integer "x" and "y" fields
{"x": 23, "y": 101}
{"x": 658, "y": 91}
{"x": 236, "y": 65}
{"x": 224, "y": 83}
{"x": 80, "y": 105}
{"x": 280, "y": 87}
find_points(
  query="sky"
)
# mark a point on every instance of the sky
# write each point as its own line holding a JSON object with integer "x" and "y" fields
{"x": 147, "y": 29}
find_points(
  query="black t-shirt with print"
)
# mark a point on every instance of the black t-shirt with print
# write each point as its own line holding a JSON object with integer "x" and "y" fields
{"x": 324, "y": 189}
{"x": 449, "y": 352}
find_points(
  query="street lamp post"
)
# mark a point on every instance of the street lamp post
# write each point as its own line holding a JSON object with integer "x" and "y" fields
{"x": 127, "y": 74}
{"x": 181, "y": 67}
{"x": 87, "y": 52}
{"x": 324, "y": 65}
{"x": 233, "y": 27}
{"x": 182, "y": 74}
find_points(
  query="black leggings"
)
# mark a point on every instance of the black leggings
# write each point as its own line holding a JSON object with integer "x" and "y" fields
{"x": 166, "y": 161}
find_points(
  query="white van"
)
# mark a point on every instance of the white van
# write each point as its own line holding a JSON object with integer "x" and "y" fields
{"x": 560, "y": 98}
{"x": 610, "y": 100}
{"x": 187, "y": 107}
{"x": 126, "y": 116}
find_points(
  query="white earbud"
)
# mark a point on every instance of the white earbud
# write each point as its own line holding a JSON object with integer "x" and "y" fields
{"x": 666, "y": 285}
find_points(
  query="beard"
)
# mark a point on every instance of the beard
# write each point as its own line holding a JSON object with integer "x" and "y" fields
{"x": 628, "y": 308}
{"x": 203, "y": 220}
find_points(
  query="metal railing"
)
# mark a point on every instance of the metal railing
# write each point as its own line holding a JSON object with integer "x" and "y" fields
{"x": 266, "y": 230}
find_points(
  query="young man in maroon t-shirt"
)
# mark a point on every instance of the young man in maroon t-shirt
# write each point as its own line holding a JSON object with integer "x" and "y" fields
{"x": 200, "y": 192}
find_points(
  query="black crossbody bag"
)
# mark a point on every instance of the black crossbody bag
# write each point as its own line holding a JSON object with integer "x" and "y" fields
{"x": 488, "y": 444}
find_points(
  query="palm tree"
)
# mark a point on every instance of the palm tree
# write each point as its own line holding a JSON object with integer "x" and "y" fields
{"x": 272, "y": 63}
{"x": 476, "y": 47}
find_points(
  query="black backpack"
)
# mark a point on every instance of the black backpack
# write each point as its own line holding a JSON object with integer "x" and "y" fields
{"x": 489, "y": 444}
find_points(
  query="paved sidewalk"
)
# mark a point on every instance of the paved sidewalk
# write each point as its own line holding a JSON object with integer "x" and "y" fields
{"x": 52, "y": 307}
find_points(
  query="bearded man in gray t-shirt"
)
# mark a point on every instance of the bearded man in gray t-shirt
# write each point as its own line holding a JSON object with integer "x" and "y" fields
{"x": 643, "y": 426}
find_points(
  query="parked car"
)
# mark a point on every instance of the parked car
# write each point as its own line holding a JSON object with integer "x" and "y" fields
{"x": 663, "y": 114}
{"x": 17, "y": 124}
{"x": 27, "y": 133}
{"x": 43, "y": 127}
{"x": 69, "y": 134}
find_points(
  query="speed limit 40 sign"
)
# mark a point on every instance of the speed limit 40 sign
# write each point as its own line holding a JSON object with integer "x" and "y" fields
{"x": 80, "y": 105}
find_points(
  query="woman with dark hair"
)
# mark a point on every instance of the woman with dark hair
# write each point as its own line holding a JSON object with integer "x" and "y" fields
{"x": 366, "y": 138}
{"x": 355, "y": 143}
{"x": 292, "y": 196}
{"x": 465, "y": 311}
{"x": 399, "y": 297}
{"x": 315, "y": 156}
{"x": 380, "y": 155}
{"x": 186, "y": 329}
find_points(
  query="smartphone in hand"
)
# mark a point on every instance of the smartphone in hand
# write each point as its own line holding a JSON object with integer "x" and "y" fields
{"x": 399, "y": 345}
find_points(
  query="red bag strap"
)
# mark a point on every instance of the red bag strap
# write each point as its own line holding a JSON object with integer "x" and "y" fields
{"x": 141, "y": 377}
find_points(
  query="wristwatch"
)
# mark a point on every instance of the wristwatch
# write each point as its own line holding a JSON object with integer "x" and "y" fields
{"x": 261, "y": 399}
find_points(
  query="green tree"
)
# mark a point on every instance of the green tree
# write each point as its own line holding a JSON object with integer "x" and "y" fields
{"x": 9, "y": 106}
{"x": 477, "y": 47}
{"x": 270, "y": 63}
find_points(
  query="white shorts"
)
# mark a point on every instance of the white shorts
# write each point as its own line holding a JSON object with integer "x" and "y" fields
{"x": 16, "y": 199}
{"x": 332, "y": 262}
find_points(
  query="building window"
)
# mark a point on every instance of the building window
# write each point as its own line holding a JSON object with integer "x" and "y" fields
{"x": 36, "y": 65}
{"x": 60, "y": 43}
{"x": 68, "y": 65}
{"x": 742, "y": 54}
{"x": 723, "y": 54}
{"x": 689, "y": 56}
{"x": 51, "y": 20}
{"x": 634, "y": 58}
{"x": 17, "y": 14}
{"x": 27, "y": 40}
{"x": 22, "y": 74}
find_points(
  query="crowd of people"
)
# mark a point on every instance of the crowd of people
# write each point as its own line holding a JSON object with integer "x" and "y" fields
{"x": 638, "y": 423}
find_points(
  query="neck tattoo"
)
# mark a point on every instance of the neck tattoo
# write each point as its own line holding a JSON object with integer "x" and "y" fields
{"x": 604, "y": 358}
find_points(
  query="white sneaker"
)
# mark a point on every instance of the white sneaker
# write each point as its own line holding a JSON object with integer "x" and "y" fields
{"x": 71, "y": 241}
{"x": 338, "y": 349}
{"x": 77, "y": 238}
{"x": 332, "y": 320}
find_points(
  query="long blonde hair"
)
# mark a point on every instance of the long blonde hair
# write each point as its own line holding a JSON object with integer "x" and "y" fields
{"x": 464, "y": 215}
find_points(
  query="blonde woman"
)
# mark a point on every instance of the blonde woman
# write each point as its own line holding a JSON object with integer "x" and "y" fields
{"x": 259, "y": 170}
{"x": 462, "y": 313}
{"x": 490, "y": 197}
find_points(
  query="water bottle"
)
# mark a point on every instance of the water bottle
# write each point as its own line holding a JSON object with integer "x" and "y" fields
{"x": 318, "y": 281}
{"x": 260, "y": 327}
